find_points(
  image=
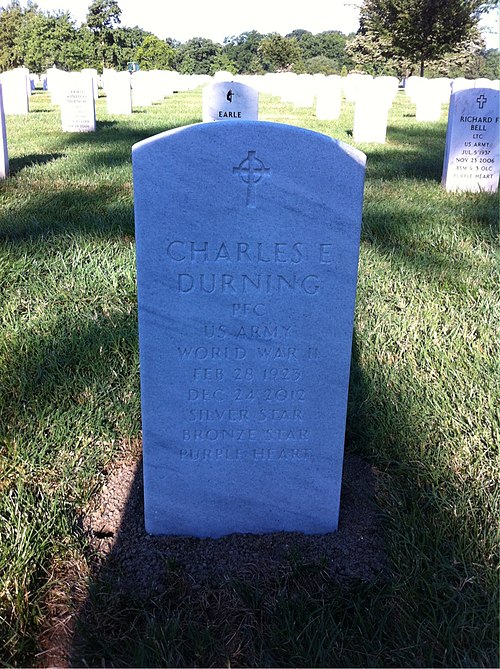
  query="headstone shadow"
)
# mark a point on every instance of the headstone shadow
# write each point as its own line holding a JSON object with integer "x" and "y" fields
{"x": 18, "y": 164}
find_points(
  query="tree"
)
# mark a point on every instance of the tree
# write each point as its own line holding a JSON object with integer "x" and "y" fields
{"x": 372, "y": 54}
{"x": 126, "y": 43}
{"x": 472, "y": 61}
{"x": 198, "y": 56}
{"x": 53, "y": 39}
{"x": 320, "y": 65}
{"x": 155, "y": 54}
{"x": 102, "y": 18}
{"x": 330, "y": 44}
{"x": 222, "y": 63}
{"x": 420, "y": 30}
{"x": 12, "y": 19}
{"x": 242, "y": 50}
{"x": 280, "y": 54}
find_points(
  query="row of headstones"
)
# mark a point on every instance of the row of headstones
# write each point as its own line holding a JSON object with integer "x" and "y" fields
{"x": 302, "y": 90}
{"x": 76, "y": 92}
{"x": 471, "y": 154}
{"x": 372, "y": 97}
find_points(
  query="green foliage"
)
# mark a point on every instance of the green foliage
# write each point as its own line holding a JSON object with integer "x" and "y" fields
{"x": 39, "y": 40}
{"x": 242, "y": 50}
{"x": 12, "y": 19}
{"x": 280, "y": 54}
{"x": 330, "y": 44}
{"x": 155, "y": 54}
{"x": 372, "y": 54}
{"x": 127, "y": 42}
{"x": 321, "y": 65}
{"x": 49, "y": 40}
{"x": 198, "y": 56}
{"x": 222, "y": 63}
{"x": 419, "y": 30}
{"x": 471, "y": 61}
{"x": 102, "y": 18}
{"x": 490, "y": 65}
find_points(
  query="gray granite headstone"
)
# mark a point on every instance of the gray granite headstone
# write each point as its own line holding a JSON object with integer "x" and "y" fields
{"x": 247, "y": 251}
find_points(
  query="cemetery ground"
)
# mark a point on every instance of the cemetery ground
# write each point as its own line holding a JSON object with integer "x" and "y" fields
{"x": 422, "y": 429}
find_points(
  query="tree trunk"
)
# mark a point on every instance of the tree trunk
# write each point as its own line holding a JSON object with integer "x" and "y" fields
{"x": 421, "y": 67}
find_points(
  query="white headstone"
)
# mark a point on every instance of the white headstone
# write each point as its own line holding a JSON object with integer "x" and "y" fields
{"x": 285, "y": 85}
{"x": 304, "y": 91}
{"x": 428, "y": 98}
{"x": 55, "y": 84}
{"x": 412, "y": 87}
{"x": 247, "y": 238}
{"x": 26, "y": 73}
{"x": 443, "y": 85}
{"x": 15, "y": 92}
{"x": 460, "y": 83}
{"x": 77, "y": 104}
{"x": 387, "y": 87}
{"x": 142, "y": 89}
{"x": 230, "y": 100}
{"x": 4, "y": 155}
{"x": 329, "y": 98}
{"x": 353, "y": 84}
{"x": 370, "y": 114}
{"x": 472, "y": 160}
{"x": 92, "y": 73}
{"x": 223, "y": 75}
{"x": 118, "y": 93}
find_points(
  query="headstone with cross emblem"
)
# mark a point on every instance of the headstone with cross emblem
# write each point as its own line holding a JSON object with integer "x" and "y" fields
{"x": 230, "y": 101}
{"x": 247, "y": 249}
{"x": 472, "y": 159}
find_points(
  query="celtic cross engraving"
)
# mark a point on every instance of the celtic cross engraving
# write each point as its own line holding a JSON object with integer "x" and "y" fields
{"x": 251, "y": 170}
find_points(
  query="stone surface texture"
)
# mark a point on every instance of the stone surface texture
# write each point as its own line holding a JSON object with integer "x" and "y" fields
{"x": 247, "y": 251}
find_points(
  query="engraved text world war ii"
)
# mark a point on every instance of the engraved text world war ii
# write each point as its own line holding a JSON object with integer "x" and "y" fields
{"x": 247, "y": 251}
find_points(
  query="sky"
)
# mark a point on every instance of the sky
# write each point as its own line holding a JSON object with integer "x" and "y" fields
{"x": 183, "y": 19}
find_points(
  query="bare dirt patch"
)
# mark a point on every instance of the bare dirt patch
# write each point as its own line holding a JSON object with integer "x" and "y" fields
{"x": 116, "y": 532}
{"x": 134, "y": 566}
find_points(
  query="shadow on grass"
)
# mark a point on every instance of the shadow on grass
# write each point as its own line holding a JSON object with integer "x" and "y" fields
{"x": 18, "y": 164}
{"x": 99, "y": 206}
{"x": 418, "y": 154}
{"x": 288, "y": 599}
{"x": 50, "y": 400}
{"x": 282, "y": 599}
{"x": 415, "y": 234}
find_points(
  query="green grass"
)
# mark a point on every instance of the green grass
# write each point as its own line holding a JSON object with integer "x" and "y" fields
{"x": 423, "y": 409}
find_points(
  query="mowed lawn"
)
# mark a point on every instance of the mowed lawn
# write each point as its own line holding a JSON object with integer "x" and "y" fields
{"x": 423, "y": 408}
